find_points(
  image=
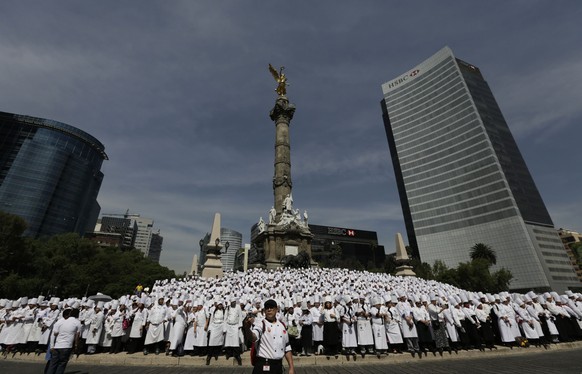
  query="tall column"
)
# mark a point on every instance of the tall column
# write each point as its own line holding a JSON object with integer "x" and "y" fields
{"x": 282, "y": 114}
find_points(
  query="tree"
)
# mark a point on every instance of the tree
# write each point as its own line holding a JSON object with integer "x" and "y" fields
{"x": 577, "y": 251}
{"x": 483, "y": 251}
{"x": 473, "y": 276}
{"x": 422, "y": 269}
{"x": 67, "y": 265}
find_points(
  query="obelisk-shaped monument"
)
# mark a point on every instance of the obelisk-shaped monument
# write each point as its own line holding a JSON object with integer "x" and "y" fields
{"x": 213, "y": 264}
{"x": 402, "y": 259}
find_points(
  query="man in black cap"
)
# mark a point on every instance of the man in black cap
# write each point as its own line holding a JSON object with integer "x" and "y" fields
{"x": 271, "y": 341}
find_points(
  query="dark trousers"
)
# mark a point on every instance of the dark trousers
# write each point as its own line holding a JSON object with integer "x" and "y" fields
{"x": 232, "y": 352}
{"x": 59, "y": 360}
{"x": 116, "y": 345}
{"x": 275, "y": 366}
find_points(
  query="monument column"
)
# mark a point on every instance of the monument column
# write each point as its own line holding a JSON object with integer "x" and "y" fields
{"x": 286, "y": 235}
{"x": 282, "y": 114}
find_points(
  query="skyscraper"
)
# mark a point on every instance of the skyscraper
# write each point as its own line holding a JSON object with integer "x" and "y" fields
{"x": 50, "y": 174}
{"x": 135, "y": 231}
{"x": 461, "y": 177}
{"x": 234, "y": 239}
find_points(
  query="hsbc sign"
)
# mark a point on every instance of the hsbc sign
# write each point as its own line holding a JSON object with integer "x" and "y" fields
{"x": 403, "y": 79}
{"x": 340, "y": 231}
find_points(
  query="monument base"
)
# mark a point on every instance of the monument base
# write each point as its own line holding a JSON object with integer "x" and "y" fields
{"x": 257, "y": 266}
{"x": 405, "y": 271}
{"x": 212, "y": 267}
{"x": 279, "y": 241}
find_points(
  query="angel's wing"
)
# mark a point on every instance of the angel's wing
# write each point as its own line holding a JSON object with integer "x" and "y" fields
{"x": 274, "y": 72}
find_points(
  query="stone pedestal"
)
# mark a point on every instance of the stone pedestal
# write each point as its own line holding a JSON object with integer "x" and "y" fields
{"x": 212, "y": 267}
{"x": 402, "y": 259}
{"x": 281, "y": 240}
{"x": 405, "y": 271}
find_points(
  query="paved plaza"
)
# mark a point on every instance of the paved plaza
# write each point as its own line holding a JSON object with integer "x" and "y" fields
{"x": 562, "y": 359}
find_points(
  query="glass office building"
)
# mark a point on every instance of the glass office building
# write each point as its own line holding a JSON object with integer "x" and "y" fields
{"x": 461, "y": 177}
{"x": 50, "y": 174}
{"x": 228, "y": 256}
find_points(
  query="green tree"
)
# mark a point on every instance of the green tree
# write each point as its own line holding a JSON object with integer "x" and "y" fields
{"x": 577, "y": 251}
{"x": 67, "y": 265}
{"x": 422, "y": 269}
{"x": 474, "y": 275}
{"x": 483, "y": 251}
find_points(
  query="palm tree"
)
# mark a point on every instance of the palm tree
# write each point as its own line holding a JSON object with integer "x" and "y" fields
{"x": 483, "y": 251}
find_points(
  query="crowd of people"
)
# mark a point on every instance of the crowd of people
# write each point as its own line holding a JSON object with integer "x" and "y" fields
{"x": 328, "y": 312}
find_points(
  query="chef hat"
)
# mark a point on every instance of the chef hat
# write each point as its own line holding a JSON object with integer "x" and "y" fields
{"x": 531, "y": 294}
{"x": 464, "y": 298}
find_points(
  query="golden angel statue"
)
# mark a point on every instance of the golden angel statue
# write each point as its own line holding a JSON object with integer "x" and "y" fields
{"x": 281, "y": 80}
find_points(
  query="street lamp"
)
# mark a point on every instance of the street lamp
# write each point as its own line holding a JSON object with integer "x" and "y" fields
{"x": 226, "y": 245}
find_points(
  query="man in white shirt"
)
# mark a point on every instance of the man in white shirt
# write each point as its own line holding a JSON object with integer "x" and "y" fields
{"x": 273, "y": 342}
{"x": 66, "y": 334}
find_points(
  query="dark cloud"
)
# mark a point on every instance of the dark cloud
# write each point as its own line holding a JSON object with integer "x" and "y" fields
{"x": 179, "y": 93}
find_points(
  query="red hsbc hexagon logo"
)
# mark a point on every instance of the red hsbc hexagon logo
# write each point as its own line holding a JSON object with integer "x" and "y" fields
{"x": 351, "y": 233}
{"x": 414, "y": 73}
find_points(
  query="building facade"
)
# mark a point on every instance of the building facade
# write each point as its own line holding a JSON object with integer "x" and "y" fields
{"x": 353, "y": 245}
{"x": 134, "y": 232}
{"x": 50, "y": 174}
{"x": 155, "y": 247}
{"x": 571, "y": 240}
{"x": 120, "y": 224}
{"x": 228, "y": 255}
{"x": 461, "y": 177}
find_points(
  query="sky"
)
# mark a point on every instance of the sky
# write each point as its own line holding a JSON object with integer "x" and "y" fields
{"x": 179, "y": 93}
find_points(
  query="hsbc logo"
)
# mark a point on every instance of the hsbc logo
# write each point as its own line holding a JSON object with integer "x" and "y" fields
{"x": 403, "y": 79}
{"x": 339, "y": 231}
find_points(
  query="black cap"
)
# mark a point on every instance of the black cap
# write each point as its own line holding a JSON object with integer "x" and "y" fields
{"x": 270, "y": 304}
